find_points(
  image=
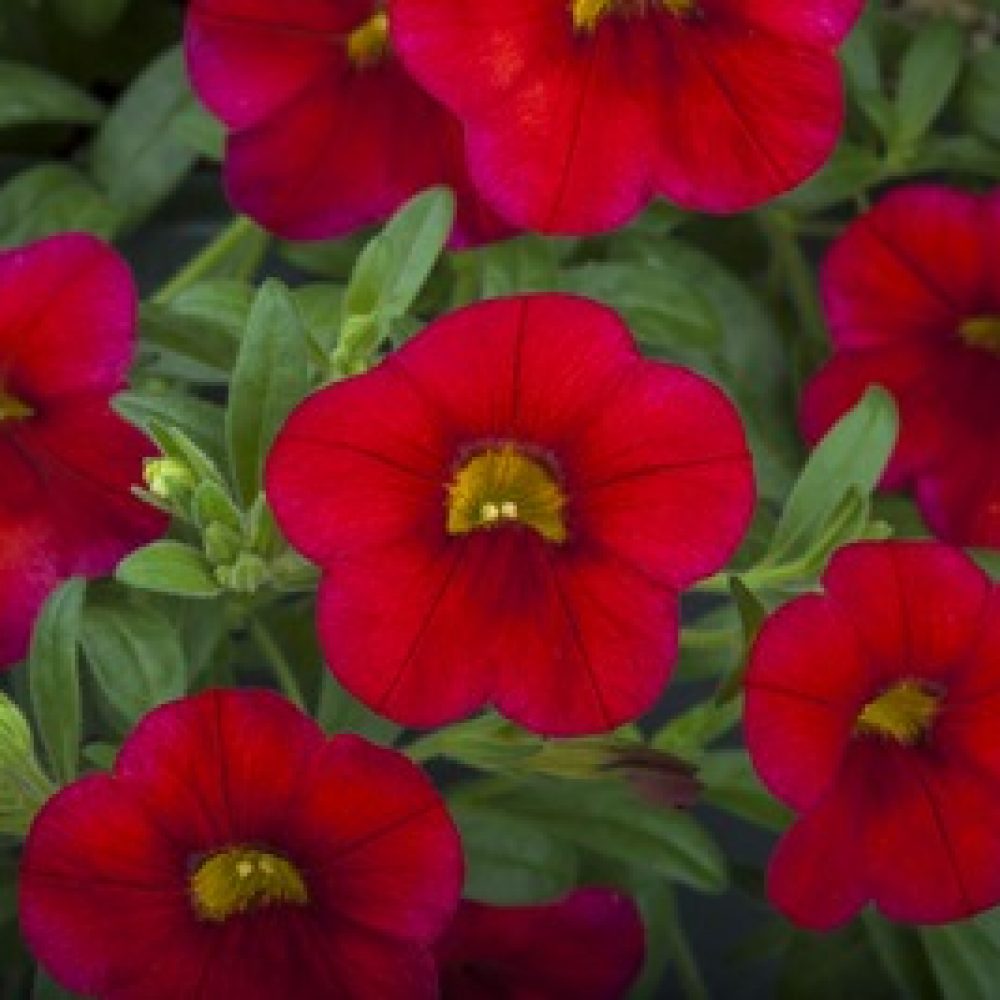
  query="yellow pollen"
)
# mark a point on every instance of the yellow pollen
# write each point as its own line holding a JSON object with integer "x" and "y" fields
{"x": 904, "y": 712}
{"x": 241, "y": 879}
{"x": 588, "y": 13}
{"x": 502, "y": 485}
{"x": 982, "y": 331}
{"x": 368, "y": 43}
{"x": 11, "y": 408}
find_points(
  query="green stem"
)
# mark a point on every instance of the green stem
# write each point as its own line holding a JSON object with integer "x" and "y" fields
{"x": 207, "y": 260}
{"x": 781, "y": 233}
{"x": 278, "y": 662}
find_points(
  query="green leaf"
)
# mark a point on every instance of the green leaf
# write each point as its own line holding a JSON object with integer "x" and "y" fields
{"x": 200, "y": 421}
{"x": 661, "y": 306}
{"x": 903, "y": 957}
{"x": 91, "y": 17}
{"x": 510, "y": 862}
{"x": 135, "y": 656}
{"x": 339, "y": 712}
{"x": 271, "y": 376}
{"x": 980, "y": 94}
{"x": 732, "y": 784}
{"x": 136, "y": 156}
{"x": 201, "y": 131}
{"x": 169, "y": 567}
{"x": 965, "y": 957}
{"x": 927, "y": 76}
{"x": 54, "y": 680}
{"x": 203, "y": 323}
{"x": 853, "y": 454}
{"x": 393, "y": 267}
{"x": 851, "y": 170}
{"x": 52, "y": 198}
{"x": 609, "y": 820}
{"x": 31, "y": 95}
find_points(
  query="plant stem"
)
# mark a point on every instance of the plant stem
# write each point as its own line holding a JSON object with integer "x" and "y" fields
{"x": 207, "y": 259}
{"x": 278, "y": 662}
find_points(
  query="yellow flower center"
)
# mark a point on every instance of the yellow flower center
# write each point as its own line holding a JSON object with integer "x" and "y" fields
{"x": 502, "y": 486}
{"x": 368, "y": 43}
{"x": 11, "y": 408}
{"x": 904, "y": 713}
{"x": 241, "y": 879}
{"x": 982, "y": 332}
{"x": 587, "y": 13}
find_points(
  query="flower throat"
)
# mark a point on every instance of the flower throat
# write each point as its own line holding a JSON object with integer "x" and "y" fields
{"x": 501, "y": 486}
{"x": 243, "y": 879}
{"x": 588, "y": 13}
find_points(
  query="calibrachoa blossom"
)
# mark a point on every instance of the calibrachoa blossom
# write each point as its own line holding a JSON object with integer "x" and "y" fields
{"x": 577, "y": 112}
{"x": 588, "y": 946}
{"x": 912, "y": 295}
{"x": 505, "y": 511}
{"x": 871, "y": 710}
{"x": 67, "y": 462}
{"x": 237, "y": 852}
{"x": 327, "y": 132}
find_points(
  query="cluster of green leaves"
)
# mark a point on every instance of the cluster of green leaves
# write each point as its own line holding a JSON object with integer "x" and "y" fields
{"x": 99, "y": 130}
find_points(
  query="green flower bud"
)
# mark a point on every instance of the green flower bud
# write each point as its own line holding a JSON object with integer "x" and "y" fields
{"x": 222, "y": 545}
{"x": 211, "y": 503}
{"x": 169, "y": 479}
{"x": 245, "y": 576}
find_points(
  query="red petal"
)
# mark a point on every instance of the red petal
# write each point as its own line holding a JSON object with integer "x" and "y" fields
{"x": 377, "y": 842}
{"x": 249, "y": 58}
{"x": 819, "y": 21}
{"x": 917, "y": 606}
{"x": 575, "y": 134}
{"x": 817, "y": 876}
{"x": 589, "y": 946}
{"x": 740, "y": 115}
{"x": 805, "y": 684}
{"x": 960, "y": 496}
{"x": 220, "y": 768}
{"x": 87, "y": 460}
{"x": 67, "y": 319}
{"x": 933, "y": 838}
{"x": 362, "y": 462}
{"x": 528, "y": 368}
{"x": 583, "y": 644}
{"x": 101, "y": 896}
{"x": 662, "y": 475}
{"x": 29, "y": 571}
{"x": 432, "y": 666}
{"x": 911, "y": 268}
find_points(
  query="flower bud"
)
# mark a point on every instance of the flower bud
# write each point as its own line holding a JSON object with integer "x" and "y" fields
{"x": 169, "y": 479}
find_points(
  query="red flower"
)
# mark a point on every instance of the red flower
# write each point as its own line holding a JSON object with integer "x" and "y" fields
{"x": 236, "y": 852}
{"x": 577, "y": 112}
{"x": 505, "y": 510}
{"x": 327, "y": 132}
{"x": 871, "y": 709}
{"x": 589, "y": 946}
{"x": 912, "y": 295}
{"x": 67, "y": 462}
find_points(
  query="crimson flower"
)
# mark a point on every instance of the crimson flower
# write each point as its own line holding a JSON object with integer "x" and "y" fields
{"x": 588, "y": 946}
{"x": 67, "y": 462}
{"x": 577, "y": 112}
{"x": 871, "y": 710}
{"x": 327, "y": 133}
{"x": 912, "y": 295}
{"x": 505, "y": 511}
{"x": 236, "y": 852}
